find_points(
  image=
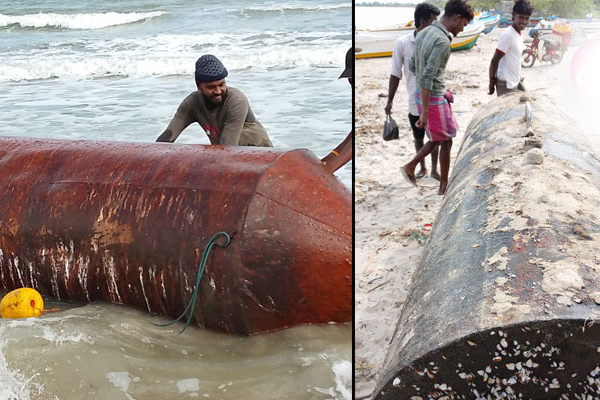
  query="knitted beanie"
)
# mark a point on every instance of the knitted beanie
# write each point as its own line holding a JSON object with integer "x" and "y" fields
{"x": 209, "y": 69}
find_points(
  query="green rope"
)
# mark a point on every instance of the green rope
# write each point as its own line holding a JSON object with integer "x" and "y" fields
{"x": 192, "y": 302}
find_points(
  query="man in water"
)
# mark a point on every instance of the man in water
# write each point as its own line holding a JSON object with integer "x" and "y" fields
{"x": 343, "y": 152}
{"x": 425, "y": 14}
{"x": 224, "y": 113}
{"x": 505, "y": 67}
{"x": 428, "y": 63}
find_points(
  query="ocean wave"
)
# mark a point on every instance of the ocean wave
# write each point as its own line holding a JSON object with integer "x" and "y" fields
{"x": 50, "y": 68}
{"x": 76, "y": 21}
{"x": 164, "y": 55}
{"x": 291, "y": 8}
{"x": 343, "y": 378}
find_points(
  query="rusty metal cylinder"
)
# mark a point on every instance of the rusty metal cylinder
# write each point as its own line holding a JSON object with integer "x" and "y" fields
{"x": 128, "y": 222}
{"x": 505, "y": 299}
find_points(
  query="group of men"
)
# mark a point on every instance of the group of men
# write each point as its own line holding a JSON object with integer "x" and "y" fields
{"x": 423, "y": 57}
{"x": 225, "y": 115}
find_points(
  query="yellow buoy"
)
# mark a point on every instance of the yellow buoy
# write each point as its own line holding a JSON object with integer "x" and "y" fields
{"x": 22, "y": 303}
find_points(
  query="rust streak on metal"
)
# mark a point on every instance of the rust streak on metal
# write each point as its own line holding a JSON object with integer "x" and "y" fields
{"x": 90, "y": 221}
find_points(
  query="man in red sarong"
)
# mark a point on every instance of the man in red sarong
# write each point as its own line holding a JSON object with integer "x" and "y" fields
{"x": 432, "y": 51}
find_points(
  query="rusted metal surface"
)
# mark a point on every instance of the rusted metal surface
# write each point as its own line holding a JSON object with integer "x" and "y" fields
{"x": 127, "y": 223}
{"x": 505, "y": 300}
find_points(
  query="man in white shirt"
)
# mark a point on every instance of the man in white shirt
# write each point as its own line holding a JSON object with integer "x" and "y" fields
{"x": 425, "y": 14}
{"x": 505, "y": 67}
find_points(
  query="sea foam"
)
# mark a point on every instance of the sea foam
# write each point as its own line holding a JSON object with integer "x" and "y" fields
{"x": 13, "y": 384}
{"x": 287, "y": 8}
{"x": 168, "y": 55}
{"x": 76, "y": 21}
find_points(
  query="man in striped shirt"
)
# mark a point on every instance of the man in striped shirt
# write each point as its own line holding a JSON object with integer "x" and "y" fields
{"x": 425, "y": 14}
{"x": 432, "y": 51}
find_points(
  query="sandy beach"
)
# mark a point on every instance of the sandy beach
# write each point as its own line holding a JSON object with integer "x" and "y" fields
{"x": 392, "y": 217}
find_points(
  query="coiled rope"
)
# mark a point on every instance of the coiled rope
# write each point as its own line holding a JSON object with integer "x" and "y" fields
{"x": 192, "y": 302}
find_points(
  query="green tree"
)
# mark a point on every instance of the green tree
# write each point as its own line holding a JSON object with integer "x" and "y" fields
{"x": 543, "y": 6}
{"x": 562, "y": 8}
{"x": 483, "y": 4}
{"x": 571, "y": 8}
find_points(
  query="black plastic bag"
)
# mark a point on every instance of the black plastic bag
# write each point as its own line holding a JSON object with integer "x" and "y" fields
{"x": 390, "y": 129}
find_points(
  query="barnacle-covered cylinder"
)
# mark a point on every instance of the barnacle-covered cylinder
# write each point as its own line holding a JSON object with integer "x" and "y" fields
{"x": 506, "y": 297}
{"x": 128, "y": 222}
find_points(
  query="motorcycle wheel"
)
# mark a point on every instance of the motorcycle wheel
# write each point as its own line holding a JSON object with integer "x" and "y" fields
{"x": 527, "y": 59}
{"x": 556, "y": 57}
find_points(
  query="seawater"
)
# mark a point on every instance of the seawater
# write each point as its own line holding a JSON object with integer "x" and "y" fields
{"x": 116, "y": 71}
{"x": 103, "y": 351}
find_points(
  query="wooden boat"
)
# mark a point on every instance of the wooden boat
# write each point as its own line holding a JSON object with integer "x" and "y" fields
{"x": 467, "y": 38}
{"x": 380, "y": 43}
{"x": 490, "y": 21}
{"x": 128, "y": 223}
{"x": 506, "y": 20}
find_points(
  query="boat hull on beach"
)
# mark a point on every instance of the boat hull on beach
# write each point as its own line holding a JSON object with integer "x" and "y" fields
{"x": 504, "y": 302}
{"x": 380, "y": 43}
{"x": 489, "y": 21}
{"x": 467, "y": 39}
{"x": 128, "y": 223}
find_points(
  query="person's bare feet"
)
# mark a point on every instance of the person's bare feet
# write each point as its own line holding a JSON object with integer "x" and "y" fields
{"x": 422, "y": 173}
{"x": 435, "y": 175}
{"x": 409, "y": 174}
{"x": 443, "y": 186}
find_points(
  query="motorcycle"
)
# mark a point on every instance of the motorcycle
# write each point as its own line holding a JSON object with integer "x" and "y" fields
{"x": 542, "y": 48}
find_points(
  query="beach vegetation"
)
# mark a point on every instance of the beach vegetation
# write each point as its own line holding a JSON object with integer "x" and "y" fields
{"x": 386, "y": 4}
{"x": 564, "y": 9}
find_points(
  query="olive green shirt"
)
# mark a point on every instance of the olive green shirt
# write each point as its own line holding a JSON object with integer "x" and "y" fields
{"x": 232, "y": 122}
{"x": 428, "y": 63}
